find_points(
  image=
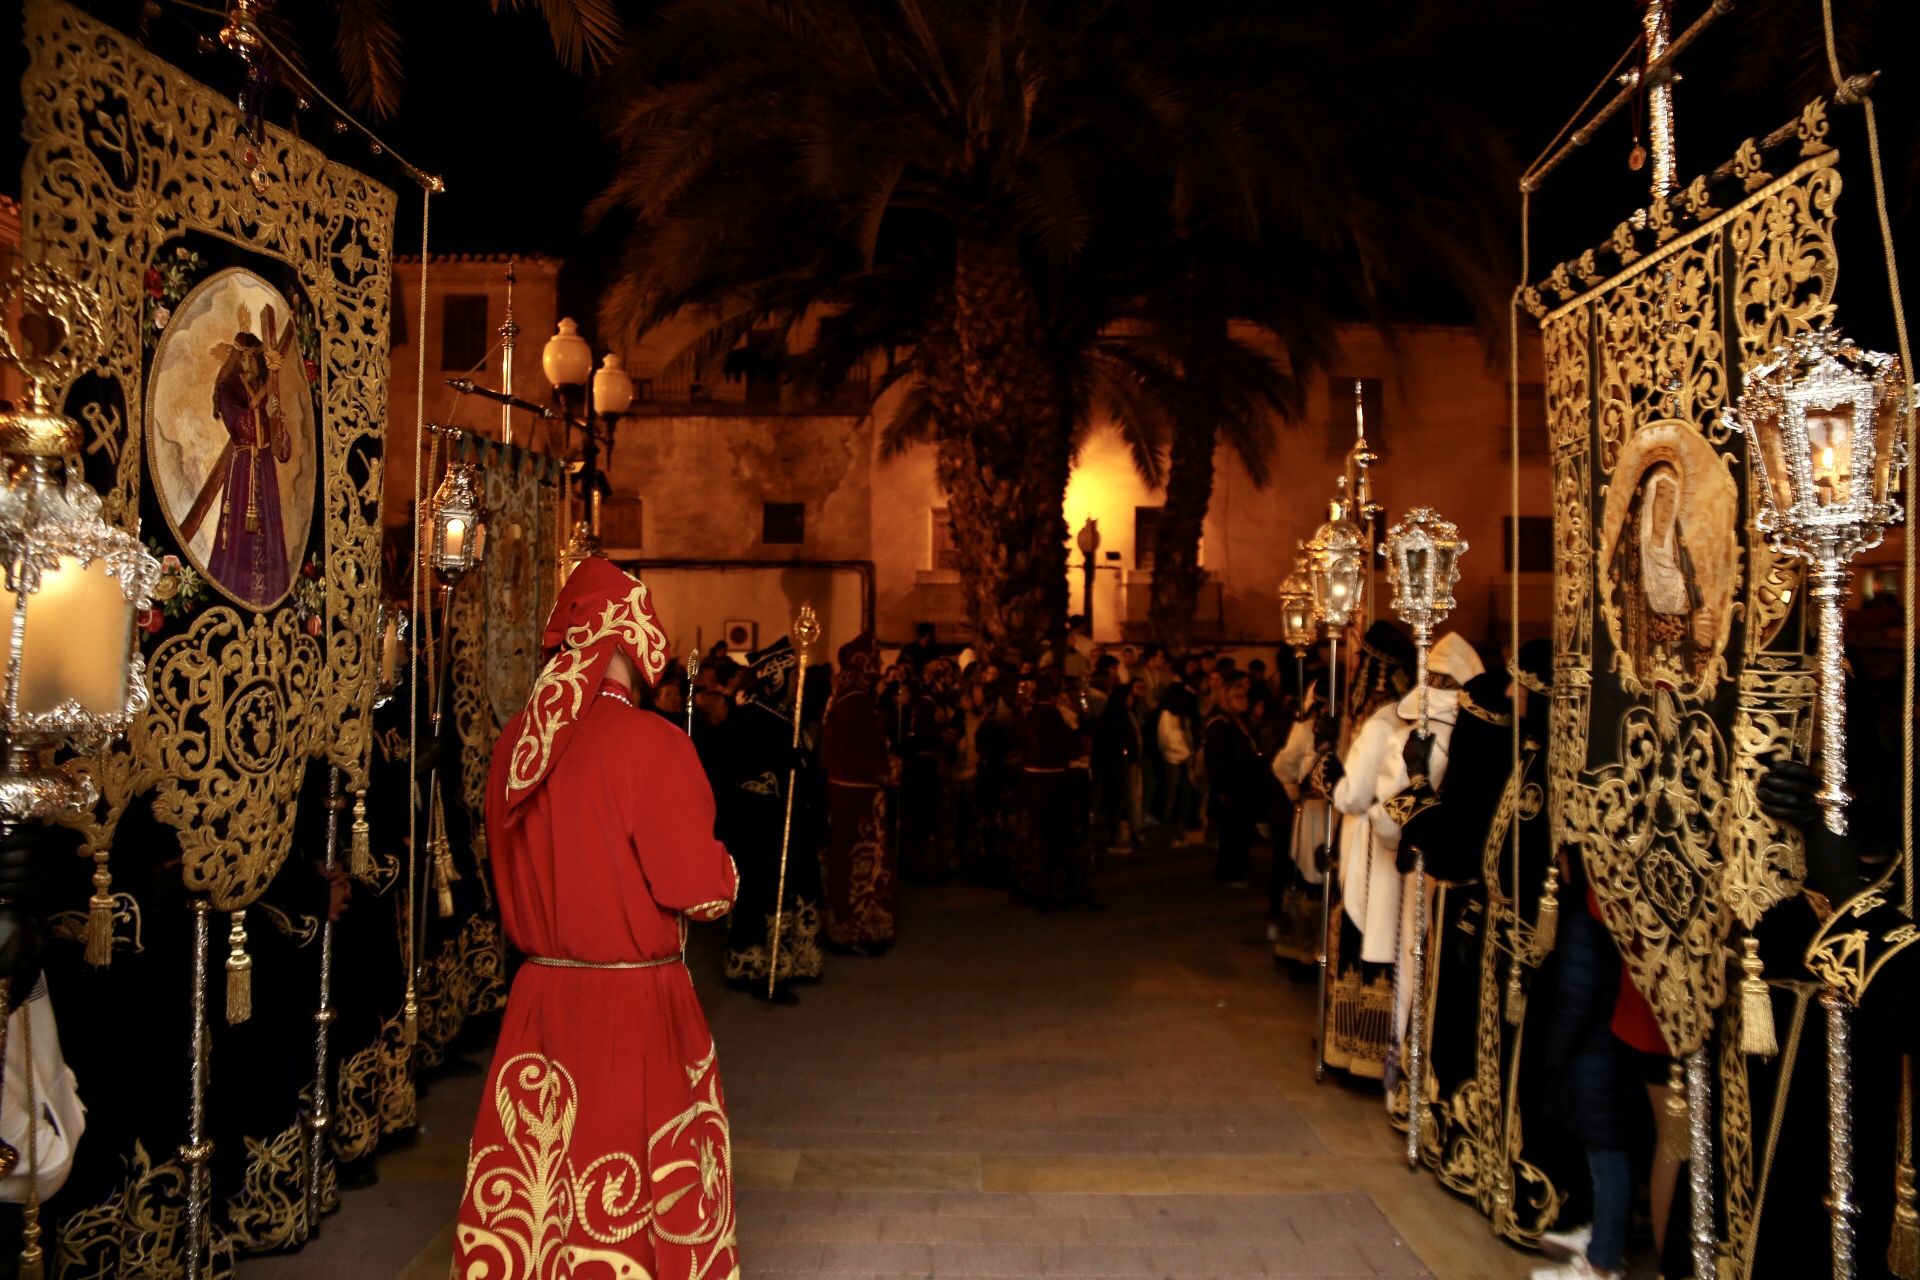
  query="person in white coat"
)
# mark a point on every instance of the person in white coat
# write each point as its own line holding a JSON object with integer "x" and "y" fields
{"x": 1359, "y": 992}
{"x": 1451, "y": 664}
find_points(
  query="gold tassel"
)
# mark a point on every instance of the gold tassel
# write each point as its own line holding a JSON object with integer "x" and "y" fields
{"x": 239, "y": 972}
{"x": 480, "y": 844}
{"x": 1516, "y": 1007}
{"x": 100, "y": 914}
{"x": 1675, "y": 1139}
{"x": 1546, "y": 924}
{"x": 443, "y": 877}
{"x": 1903, "y": 1247}
{"x": 1756, "y": 1010}
{"x": 410, "y": 1030}
{"x": 361, "y": 858}
{"x": 1903, "y": 1250}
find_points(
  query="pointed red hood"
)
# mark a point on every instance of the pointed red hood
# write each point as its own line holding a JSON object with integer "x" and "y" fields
{"x": 601, "y": 611}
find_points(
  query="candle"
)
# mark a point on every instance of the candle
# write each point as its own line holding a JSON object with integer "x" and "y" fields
{"x": 456, "y": 543}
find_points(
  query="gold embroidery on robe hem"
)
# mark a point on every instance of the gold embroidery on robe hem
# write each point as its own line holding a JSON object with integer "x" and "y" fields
{"x": 531, "y": 1198}
{"x": 800, "y": 955}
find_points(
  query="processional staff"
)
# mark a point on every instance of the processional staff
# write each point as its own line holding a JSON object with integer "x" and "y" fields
{"x": 1423, "y": 562}
{"x": 806, "y": 633}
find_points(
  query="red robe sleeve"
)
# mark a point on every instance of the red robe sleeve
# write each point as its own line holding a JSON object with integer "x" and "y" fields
{"x": 671, "y": 817}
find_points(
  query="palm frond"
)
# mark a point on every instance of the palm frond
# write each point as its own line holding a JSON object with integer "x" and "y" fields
{"x": 586, "y": 33}
{"x": 368, "y": 47}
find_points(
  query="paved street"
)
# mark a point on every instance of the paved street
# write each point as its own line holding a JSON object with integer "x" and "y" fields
{"x": 1118, "y": 1093}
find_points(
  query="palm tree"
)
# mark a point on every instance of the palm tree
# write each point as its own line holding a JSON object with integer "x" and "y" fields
{"x": 585, "y": 33}
{"x": 1283, "y": 213}
{"x": 929, "y": 177}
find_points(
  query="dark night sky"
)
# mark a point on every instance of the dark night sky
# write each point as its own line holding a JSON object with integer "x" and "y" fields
{"x": 514, "y": 135}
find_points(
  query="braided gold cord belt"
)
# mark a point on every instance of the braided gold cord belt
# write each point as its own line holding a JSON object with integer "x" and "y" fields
{"x": 557, "y": 962}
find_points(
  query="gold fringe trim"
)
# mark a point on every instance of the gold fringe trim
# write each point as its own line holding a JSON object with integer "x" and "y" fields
{"x": 100, "y": 914}
{"x": 239, "y": 972}
{"x": 360, "y": 862}
{"x": 1756, "y": 1010}
{"x": 1675, "y": 1138}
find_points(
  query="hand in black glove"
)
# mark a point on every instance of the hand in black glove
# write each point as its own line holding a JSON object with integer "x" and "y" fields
{"x": 429, "y": 754}
{"x": 1417, "y": 753}
{"x": 1787, "y": 792}
{"x": 22, "y": 855}
{"x": 21, "y": 944}
{"x": 1326, "y": 731}
{"x": 1332, "y": 769}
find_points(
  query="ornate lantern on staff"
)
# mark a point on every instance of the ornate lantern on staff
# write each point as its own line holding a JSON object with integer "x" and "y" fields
{"x": 1423, "y": 563}
{"x": 72, "y": 585}
{"x": 1298, "y": 625}
{"x": 1336, "y": 558}
{"x": 1822, "y": 419}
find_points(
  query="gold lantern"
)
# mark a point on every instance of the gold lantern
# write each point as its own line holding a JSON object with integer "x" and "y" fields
{"x": 1821, "y": 418}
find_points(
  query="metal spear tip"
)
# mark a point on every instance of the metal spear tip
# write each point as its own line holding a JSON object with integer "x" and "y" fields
{"x": 806, "y": 628}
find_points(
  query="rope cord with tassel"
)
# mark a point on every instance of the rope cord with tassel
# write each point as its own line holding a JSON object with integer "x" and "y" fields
{"x": 416, "y": 581}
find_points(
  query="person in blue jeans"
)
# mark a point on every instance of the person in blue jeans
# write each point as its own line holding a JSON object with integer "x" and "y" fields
{"x": 1597, "y": 1090}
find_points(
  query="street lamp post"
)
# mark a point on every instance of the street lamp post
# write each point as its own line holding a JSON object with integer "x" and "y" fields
{"x": 1088, "y": 540}
{"x": 567, "y": 361}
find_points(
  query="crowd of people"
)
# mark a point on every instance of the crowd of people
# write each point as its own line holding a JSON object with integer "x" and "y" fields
{"x": 939, "y": 763}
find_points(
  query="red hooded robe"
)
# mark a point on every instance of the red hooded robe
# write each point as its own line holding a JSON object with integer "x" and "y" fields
{"x": 601, "y": 1151}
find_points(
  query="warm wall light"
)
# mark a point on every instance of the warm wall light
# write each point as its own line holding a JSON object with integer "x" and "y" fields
{"x": 1821, "y": 418}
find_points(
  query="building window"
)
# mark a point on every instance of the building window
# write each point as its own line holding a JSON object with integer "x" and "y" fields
{"x": 463, "y": 331}
{"x": 1340, "y": 417}
{"x": 944, "y": 557}
{"x": 620, "y": 522}
{"x": 1536, "y": 544}
{"x": 1146, "y": 532}
{"x": 783, "y": 523}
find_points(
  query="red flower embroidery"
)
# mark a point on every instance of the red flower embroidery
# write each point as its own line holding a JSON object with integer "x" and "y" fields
{"x": 154, "y": 284}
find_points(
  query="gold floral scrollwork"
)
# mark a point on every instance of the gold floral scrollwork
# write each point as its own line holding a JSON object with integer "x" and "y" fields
{"x": 1765, "y": 860}
{"x": 1661, "y": 896}
{"x": 236, "y": 704}
{"x": 269, "y": 1211}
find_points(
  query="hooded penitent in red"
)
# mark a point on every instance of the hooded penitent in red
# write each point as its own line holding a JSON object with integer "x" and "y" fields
{"x": 601, "y": 1150}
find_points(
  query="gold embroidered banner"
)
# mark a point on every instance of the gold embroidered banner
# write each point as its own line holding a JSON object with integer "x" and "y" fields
{"x": 1680, "y": 652}
{"x": 236, "y": 409}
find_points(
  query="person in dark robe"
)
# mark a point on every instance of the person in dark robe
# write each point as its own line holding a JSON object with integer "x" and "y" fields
{"x": 860, "y": 869}
{"x": 762, "y": 761}
{"x": 1050, "y": 868}
{"x": 1236, "y": 782}
{"x": 604, "y": 850}
{"x": 1488, "y": 1137}
{"x": 916, "y": 730}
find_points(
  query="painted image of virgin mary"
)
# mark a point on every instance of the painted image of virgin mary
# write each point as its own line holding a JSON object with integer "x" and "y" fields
{"x": 1667, "y": 628}
{"x": 249, "y": 545}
